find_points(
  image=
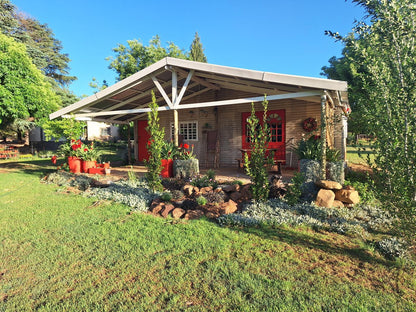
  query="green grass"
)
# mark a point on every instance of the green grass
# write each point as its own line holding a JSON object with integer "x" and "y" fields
{"x": 359, "y": 153}
{"x": 64, "y": 252}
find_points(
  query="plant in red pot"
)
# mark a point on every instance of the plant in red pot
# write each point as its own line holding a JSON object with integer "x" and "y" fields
{"x": 89, "y": 155}
{"x": 168, "y": 153}
{"x": 72, "y": 150}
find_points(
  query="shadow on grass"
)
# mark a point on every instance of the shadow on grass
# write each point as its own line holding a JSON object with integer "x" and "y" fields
{"x": 38, "y": 167}
{"x": 295, "y": 237}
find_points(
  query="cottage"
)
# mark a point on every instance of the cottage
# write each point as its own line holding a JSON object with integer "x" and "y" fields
{"x": 207, "y": 106}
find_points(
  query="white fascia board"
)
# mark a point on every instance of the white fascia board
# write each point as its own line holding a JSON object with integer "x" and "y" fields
{"x": 310, "y": 82}
{"x": 110, "y": 91}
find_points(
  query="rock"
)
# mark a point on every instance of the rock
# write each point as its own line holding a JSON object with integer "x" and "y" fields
{"x": 325, "y": 198}
{"x": 205, "y": 190}
{"x": 168, "y": 208}
{"x": 246, "y": 192}
{"x": 188, "y": 189}
{"x": 276, "y": 180}
{"x": 235, "y": 196}
{"x": 231, "y": 188}
{"x": 329, "y": 185}
{"x": 228, "y": 207}
{"x": 338, "y": 204}
{"x": 348, "y": 196}
{"x": 193, "y": 214}
{"x": 211, "y": 215}
{"x": 185, "y": 168}
{"x": 177, "y": 213}
{"x": 157, "y": 209}
{"x": 218, "y": 190}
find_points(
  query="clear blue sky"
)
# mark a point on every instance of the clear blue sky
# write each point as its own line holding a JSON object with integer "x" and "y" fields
{"x": 281, "y": 36}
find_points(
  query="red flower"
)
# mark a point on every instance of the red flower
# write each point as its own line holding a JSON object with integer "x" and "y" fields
{"x": 85, "y": 149}
{"x": 181, "y": 145}
{"x": 186, "y": 146}
{"x": 53, "y": 159}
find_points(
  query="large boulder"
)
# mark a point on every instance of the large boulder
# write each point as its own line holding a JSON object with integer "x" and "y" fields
{"x": 325, "y": 198}
{"x": 348, "y": 196}
{"x": 329, "y": 185}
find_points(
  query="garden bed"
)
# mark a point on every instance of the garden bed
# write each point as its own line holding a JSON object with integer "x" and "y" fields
{"x": 230, "y": 204}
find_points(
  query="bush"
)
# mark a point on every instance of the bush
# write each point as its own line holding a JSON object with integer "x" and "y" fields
{"x": 166, "y": 197}
{"x": 66, "y": 179}
{"x": 392, "y": 248}
{"x": 201, "y": 200}
{"x": 357, "y": 221}
{"x": 134, "y": 194}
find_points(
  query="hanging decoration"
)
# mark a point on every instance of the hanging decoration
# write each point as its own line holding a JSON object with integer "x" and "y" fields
{"x": 309, "y": 124}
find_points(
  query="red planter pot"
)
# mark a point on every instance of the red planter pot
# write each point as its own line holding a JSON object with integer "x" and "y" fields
{"x": 87, "y": 164}
{"x": 167, "y": 168}
{"x": 74, "y": 164}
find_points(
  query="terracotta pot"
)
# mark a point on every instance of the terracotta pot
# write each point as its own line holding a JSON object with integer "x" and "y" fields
{"x": 74, "y": 164}
{"x": 87, "y": 164}
{"x": 167, "y": 168}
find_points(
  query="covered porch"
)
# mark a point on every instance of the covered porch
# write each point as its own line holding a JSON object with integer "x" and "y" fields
{"x": 206, "y": 106}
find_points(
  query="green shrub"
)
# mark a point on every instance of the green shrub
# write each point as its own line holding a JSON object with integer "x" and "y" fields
{"x": 294, "y": 190}
{"x": 256, "y": 165}
{"x": 201, "y": 200}
{"x": 166, "y": 197}
{"x": 392, "y": 248}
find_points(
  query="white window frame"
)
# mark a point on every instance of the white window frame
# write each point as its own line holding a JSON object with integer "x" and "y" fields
{"x": 185, "y": 135}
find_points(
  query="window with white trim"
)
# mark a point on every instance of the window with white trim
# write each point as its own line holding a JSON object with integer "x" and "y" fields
{"x": 188, "y": 129}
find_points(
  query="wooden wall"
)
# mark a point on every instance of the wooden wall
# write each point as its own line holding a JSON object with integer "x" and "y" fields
{"x": 229, "y": 120}
{"x": 230, "y": 131}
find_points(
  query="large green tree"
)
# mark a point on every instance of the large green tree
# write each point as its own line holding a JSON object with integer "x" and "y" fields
{"x": 24, "y": 91}
{"x": 381, "y": 55}
{"x": 136, "y": 56}
{"x": 42, "y": 47}
{"x": 196, "y": 53}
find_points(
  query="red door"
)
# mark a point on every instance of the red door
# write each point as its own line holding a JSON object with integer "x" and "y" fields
{"x": 143, "y": 137}
{"x": 276, "y": 123}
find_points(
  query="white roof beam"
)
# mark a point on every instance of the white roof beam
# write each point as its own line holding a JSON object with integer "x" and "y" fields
{"x": 207, "y": 104}
{"x": 162, "y": 91}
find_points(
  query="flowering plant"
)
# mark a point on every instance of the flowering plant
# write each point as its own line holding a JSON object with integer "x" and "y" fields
{"x": 71, "y": 148}
{"x": 89, "y": 152}
{"x": 169, "y": 150}
{"x": 186, "y": 151}
{"x": 76, "y": 148}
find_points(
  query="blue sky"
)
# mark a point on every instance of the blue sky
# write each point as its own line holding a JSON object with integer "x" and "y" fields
{"x": 278, "y": 36}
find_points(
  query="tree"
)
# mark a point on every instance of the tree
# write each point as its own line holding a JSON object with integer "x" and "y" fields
{"x": 196, "y": 52}
{"x": 8, "y": 22}
{"x": 136, "y": 56}
{"x": 155, "y": 145}
{"x": 45, "y": 49}
{"x": 24, "y": 92}
{"x": 257, "y": 163}
{"x": 384, "y": 52}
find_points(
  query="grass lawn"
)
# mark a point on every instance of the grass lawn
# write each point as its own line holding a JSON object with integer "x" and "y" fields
{"x": 358, "y": 154}
{"x": 64, "y": 252}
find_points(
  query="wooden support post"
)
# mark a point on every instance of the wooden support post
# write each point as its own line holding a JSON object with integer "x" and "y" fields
{"x": 128, "y": 144}
{"x": 176, "y": 127}
{"x": 175, "y": 111}
{"x": 323, "y": 136}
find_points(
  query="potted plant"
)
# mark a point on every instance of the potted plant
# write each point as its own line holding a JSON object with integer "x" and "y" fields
{"x": 169, "y": 153}
{"x": 72, "y": 150}
{"x": 186, "y": 165}
{"x": 89, "y": 155}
